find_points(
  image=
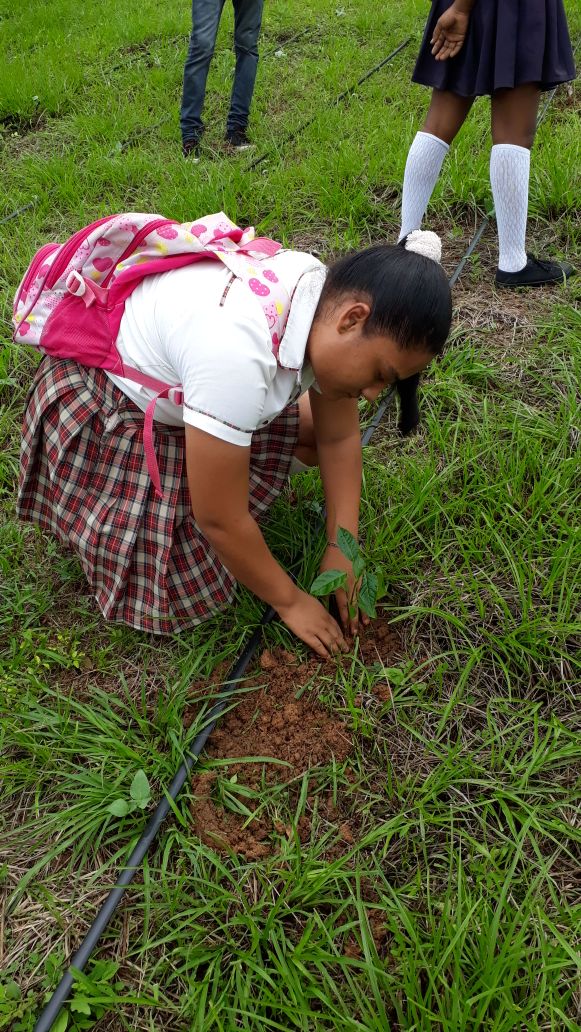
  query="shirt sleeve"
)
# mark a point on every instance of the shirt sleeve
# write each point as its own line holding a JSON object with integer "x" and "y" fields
{"x": 226, "y": 366}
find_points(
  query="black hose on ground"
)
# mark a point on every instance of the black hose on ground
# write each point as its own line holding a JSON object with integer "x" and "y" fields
{"x": 18, "y": 211}
{"x": 338, "y": 100}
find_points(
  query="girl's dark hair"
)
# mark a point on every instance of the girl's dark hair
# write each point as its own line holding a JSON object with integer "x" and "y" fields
{"x": 409, "y": 294}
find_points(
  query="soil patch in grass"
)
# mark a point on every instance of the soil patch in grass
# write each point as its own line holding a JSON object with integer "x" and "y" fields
{"x": 284, "y": 720}
{"x": 15, "y": 124}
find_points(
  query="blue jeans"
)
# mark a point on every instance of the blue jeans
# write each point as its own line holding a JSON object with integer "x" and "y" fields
{"x": 205, "y": 20}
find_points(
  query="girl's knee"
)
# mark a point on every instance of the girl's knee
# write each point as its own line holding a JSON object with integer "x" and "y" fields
{"x": 437, "y": 127}
{"x": 446, "y": 115}
{"x": 514, "y": 115}
{"x": 517, "y": 137}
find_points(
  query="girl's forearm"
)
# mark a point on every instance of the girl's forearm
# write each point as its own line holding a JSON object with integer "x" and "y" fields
{"x": 465, "y": 6}
{"x": 242, "y": 549}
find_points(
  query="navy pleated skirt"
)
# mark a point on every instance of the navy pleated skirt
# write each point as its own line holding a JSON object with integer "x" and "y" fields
{"x": 509, "y": 42}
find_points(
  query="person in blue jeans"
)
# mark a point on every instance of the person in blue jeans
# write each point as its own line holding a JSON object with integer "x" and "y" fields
{"x": 205, "y": 20}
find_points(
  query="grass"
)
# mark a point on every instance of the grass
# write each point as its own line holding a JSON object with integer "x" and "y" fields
{"x": 456, "y": 907}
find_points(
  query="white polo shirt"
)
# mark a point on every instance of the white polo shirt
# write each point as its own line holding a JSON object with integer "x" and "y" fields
{"x": 176, "y": 329}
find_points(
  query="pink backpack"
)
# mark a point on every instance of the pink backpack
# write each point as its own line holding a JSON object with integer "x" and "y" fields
{"x": 71, "y": 300}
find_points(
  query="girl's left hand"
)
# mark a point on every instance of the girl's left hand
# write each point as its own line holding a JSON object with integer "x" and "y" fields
{"x": 333, "y": 559}
{"x": 449, "y": 33}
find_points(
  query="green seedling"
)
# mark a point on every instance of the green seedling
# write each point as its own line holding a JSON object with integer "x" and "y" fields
{"x": 13, "y": 1005}
{"x": 139, "y": 797}
{"x": 371, "y": 586}
{"x": 93, "y": 995}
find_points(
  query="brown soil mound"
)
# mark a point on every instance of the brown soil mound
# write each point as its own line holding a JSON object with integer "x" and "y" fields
{"x": 282, "y": 720}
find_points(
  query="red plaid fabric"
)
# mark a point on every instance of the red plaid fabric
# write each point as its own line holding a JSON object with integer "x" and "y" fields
{"x": 83, "y": 478}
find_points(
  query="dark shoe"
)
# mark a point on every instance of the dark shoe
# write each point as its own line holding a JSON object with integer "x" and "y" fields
{"x": 191, "y": 149}
{"x": 536, "y": 273}
{"x": 237, "y": 139}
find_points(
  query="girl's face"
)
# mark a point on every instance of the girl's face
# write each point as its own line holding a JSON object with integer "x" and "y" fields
{"x": 348, "y": 364}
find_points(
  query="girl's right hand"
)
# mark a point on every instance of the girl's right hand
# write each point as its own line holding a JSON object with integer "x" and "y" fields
{"x": 309, "y": 620}
{"x": 449, "y": 33}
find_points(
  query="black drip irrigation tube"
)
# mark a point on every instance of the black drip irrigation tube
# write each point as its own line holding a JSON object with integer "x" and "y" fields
{"x": 162, "y": 810}
{"x": 19, "y": 211}
{"x": 338, "y": 100}
{"x": 274, "y": 50}
{"x": 51, "y": 1011}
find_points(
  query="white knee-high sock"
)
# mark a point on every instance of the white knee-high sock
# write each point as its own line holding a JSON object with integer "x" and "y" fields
{"x": 509, "y": 178}
{"x": 422, "y": 169}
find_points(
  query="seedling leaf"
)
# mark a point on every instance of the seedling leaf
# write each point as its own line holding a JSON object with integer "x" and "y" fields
{"x": 368, "y": 594}
{"x": 140, "y": 791}
{"x": 80, "y": 1004}
{"x": 328, "y": 582}
{"x": 358, "y": 567}
{"x": 348, "y": 544}
{"x": 119, "y": 808}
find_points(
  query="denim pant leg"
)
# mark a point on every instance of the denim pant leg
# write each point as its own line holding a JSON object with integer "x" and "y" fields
{"x": 247, "y": 22}
{"x": 205, "y": 20}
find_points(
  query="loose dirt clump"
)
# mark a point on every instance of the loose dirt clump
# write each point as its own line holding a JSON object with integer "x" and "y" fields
{"x": 274, "y": 723}
{"x": 280, "y": 719}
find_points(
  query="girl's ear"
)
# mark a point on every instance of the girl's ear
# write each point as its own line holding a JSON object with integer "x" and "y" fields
{"x": 352, "y": 315}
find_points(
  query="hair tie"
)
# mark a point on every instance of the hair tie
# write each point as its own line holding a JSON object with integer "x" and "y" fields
{"x": 423, "y": 241}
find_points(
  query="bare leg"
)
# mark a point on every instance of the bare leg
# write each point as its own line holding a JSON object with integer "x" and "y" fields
{"x": 514, "y": 115}
{"x": 445, "y": 116}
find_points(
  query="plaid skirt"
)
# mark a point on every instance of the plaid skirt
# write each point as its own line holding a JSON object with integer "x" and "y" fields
{"x": 83, "y": 478}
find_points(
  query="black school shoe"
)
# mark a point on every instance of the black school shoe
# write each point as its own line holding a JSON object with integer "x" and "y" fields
{"x": 191, "y": 149}
{"x": 238, "y": 139}
{"x": 536, "y": 273}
